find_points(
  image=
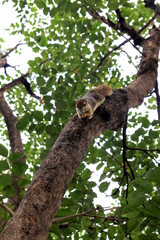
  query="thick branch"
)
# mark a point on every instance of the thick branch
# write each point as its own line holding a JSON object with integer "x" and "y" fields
{"x": 147, "y": 73}
{"x": 15, "y": 143}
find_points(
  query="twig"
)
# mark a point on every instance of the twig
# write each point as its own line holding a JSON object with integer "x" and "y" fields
{"x": 73, "y": 216}
{"x": 143, "y": 149}
{"x": 130, "y": 58}
{"x": 47, "y": 60}
{"x": 88, "y": 214}
{"x": 21, "y": 80}
{"x": 125, "y": 157}
{"x": 146, "y": 152}
{"x": 6, "y": 208}
{"x": 15, "y": 83}
{"x": 110, "y": 154}
{"x": 12, "y": 49}
{"x": 158, "y": 99}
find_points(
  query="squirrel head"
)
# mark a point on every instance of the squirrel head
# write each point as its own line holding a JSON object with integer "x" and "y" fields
{"x": 83, "y": 108}
{"x": 82, "y": 103}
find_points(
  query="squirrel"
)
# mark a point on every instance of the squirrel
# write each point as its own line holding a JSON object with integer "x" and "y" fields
{"x": 86, "y": 106}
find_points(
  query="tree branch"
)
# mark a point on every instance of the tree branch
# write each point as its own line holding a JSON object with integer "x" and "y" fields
{"x": 158, "y": 99}
{"x": 146, "y": 152}
{"x": 15, "y": 143}
{"x": 6, "y": 208}
{"x": 135, "y": 35}
{"x": 21, "y": 80}
{"x": 12, "y": 49}
{"x": 88, "y": 214}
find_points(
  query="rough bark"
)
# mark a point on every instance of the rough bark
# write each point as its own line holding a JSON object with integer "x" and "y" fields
{"x": 15, "y": 143}
{"x": 33, "y": 218}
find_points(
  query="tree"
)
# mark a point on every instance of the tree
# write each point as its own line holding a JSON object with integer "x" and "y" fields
{"x": 62, "y": 70}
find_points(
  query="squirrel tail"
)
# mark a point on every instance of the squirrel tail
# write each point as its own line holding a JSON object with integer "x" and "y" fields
{"x": 104, "y": 90}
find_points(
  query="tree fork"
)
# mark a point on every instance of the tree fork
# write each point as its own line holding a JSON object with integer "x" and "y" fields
{"x": 35, "y": 214}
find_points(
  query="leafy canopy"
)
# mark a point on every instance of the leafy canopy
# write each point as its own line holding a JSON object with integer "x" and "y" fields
{"x": 69, "y": 45}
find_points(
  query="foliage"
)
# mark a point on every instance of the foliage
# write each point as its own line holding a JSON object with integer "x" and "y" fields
{"x": 68, "y": 45}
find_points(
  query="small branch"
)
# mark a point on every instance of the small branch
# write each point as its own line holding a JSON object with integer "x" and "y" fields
{"x": 29, "y": 90}
{"x": 12, "y": 49}
{"x": 47, "y": 60}
{"x": 21, "y": 80}
{"x": 88, "y": 214}
{"x": 73, "y": 216}
{"x": 135, "y": 35}
{"x": 151, "y": 157}
{"x": 120, "y": 184}
{"x": 143, "y": 149}
{"x": 148, "y": 23}
{"x": 6, "y": 208}
{"x": 15, "y": 83}
{"x": 125, "y": 158}
{"x": 130, "y": 58}
{"x": 109, "y": 154}
{"x": 158, "y": 99}
{"x": 122, "y": 26}
{"x": 146, "y": 152}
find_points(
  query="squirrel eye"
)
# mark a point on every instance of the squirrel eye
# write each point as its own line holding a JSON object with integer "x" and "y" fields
{"x": 84, "y": 103}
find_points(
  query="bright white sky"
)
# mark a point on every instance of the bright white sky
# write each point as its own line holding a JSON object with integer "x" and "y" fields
{"x": 8, "y": 16}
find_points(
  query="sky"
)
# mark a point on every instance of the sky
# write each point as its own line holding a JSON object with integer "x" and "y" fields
{"x": 8, "y": 16}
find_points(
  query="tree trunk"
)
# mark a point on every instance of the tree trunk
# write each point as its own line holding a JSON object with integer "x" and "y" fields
{"x": 35, "y": 214}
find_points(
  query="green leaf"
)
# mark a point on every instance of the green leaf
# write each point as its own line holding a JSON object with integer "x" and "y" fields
{"x": 15, "y": 156}
{"x": 152, "y": 210}
{"x": 153, "y": 134}
{"x": 76, "y": 195}
{"x": 86, "y": 174}
{"x": 40, "y": 3}
{"x": 50, "y": 129}
{"x": 3, "y": 165}
{"x": 113, "y": 5}
{"x": 40, "y": 81}
{"x": 3, "y": 151}
{"x": 153, "y": 175}
{"x": 19, "y": 168}
{"x": 8, "y": 191}
{"x": 143, "y": 185}
{"x": 40, "y": 128}
{"x": 136, "y": 198}
{"x": 23, "y": 122}
{"x": 104, "y": 186}
{"x": 23, "y": 182}
{"x": 145, "y": 123}
{"x": 111, "y": 232}
{"x": 5, "y": 180}
{"x": 129, "y": 212}
{"x": 3, "y": 213}
{"x": 132, "y": 224}
{"x": 38, "y": 115}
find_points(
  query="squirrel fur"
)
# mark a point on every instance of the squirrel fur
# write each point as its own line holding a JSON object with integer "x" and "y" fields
{"x": 87, "y": 105}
